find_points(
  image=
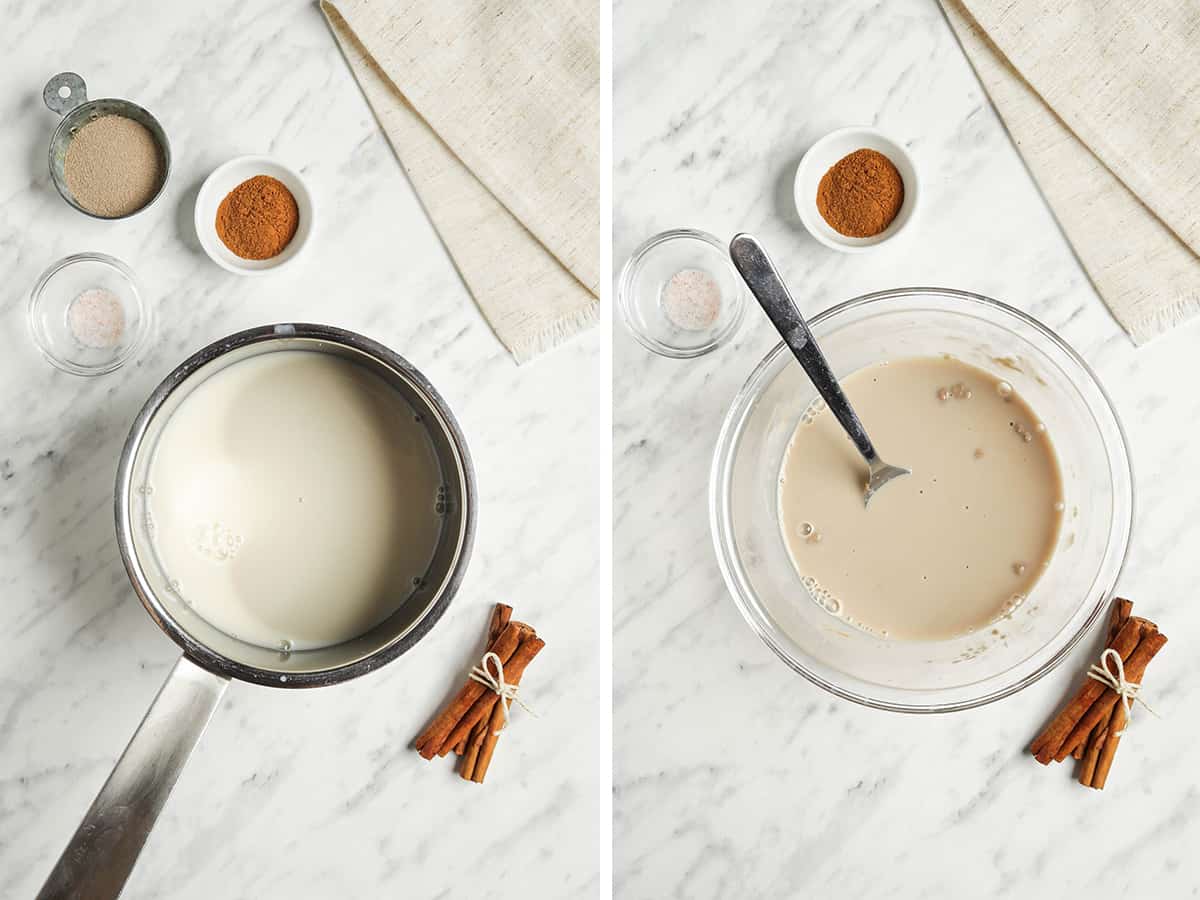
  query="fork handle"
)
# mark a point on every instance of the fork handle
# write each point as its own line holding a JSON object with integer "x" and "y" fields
{"x": 767, "y": 286}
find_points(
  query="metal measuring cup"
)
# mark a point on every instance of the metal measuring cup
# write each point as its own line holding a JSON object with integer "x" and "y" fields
{"x": 66, "y": 94}
{"x": 102, "y": 853}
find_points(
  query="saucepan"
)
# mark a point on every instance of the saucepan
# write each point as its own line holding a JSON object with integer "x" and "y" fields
{"x": 101, "y": 854}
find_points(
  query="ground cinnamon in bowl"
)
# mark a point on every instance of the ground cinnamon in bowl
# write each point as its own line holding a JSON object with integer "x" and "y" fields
{"x": 861, "y": 194}
{"x": 258, "y": 218}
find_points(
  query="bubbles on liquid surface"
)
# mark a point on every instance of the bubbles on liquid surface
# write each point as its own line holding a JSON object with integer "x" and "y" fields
{"x": 823, "y": 597}
{"x": 1011, "y": 605}
{"x": 1005, "y": 390}
{"x": 813, "y": 410}
{"x": 216, "y": 541}
{"x": 956, "y": 391}
{"x": 1022, "y": 432}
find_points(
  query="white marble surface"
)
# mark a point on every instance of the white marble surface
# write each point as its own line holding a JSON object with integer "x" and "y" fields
{"x": 311, "y": 794}
{"x": 733, "y": 777}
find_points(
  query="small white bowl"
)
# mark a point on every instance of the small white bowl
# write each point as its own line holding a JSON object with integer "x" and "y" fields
{"x": 217, "y": 187}
{"x": 822, "y": 156}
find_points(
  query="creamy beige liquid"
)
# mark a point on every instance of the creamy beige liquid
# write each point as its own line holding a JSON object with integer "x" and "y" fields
{"x": 293, "y": 500}
{"x": 941, "y": 552}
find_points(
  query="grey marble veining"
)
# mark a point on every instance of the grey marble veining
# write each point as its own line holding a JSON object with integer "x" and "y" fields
{"x": 733, "y": 777}
{"x": 310, "y": 794}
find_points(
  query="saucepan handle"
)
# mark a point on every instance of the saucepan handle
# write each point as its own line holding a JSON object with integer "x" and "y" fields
{"x": 102, "y": 852}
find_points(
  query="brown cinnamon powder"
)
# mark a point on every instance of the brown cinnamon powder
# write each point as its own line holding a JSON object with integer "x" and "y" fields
{"x": 258, "y": 218}
{"x": 861, "y": 195}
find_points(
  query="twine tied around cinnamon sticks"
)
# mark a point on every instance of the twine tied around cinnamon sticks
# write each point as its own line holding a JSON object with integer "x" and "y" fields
{"x": 471, "y": 723}
{"x": 1126, "y": 690}
{"x": 506, "y": 692}
{"x": 1090, "y": 726}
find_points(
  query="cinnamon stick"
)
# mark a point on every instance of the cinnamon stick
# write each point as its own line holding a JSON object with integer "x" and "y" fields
{"x": 1135, "y": 668}
{"x": 1087, "y": 771}
{"x": 432, "y": 738}
{"x": 1090, "y": 754}
{"x": 1048, "y": 744}
{"x": 482, "y": 706}
{"x": 501, "y": 615}
{"x": 491, "y": 738}
{"x": 1109, "y": 750}
{"x": 483, "y": 743}
{"x": 470, "y": 757}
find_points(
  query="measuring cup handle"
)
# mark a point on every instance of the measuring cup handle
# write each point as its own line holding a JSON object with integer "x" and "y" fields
{"x": 101, "y": 854}
{"x": 60, "y": 102}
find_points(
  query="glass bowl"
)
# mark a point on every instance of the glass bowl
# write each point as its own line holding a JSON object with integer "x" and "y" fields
{"x": 925, "y": 676}
{"x": 643, "y": 294}
{"x": 87, "y": 314}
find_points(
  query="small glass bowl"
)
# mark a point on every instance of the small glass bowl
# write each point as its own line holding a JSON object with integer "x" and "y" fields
{"x": 64, "y": 343}
{"x": 645, "y": 275}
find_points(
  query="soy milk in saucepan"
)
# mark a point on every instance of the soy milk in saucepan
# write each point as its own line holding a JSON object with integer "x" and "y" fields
{"x": 948, "y": 549}
{"x": 293, "y": 500}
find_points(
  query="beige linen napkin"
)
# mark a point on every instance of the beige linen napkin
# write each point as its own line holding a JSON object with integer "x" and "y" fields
{"x": 492, "y": 107}
{"x": 1102, "y": 98}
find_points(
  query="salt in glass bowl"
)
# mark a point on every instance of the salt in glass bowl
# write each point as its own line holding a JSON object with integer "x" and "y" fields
{"x": 925, "y": 676}
{"x": 642, "y": 288}
{"x": 50, "y": 316}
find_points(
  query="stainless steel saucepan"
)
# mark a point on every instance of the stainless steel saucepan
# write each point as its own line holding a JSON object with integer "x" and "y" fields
{"x": 101, "y": 855}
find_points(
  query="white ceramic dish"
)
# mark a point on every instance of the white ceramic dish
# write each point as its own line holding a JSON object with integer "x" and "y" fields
{"x": 822, "y": 155}
{"x": 218, "y": 185}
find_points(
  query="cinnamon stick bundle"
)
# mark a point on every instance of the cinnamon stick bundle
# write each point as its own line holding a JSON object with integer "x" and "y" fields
{"x": 1135, "y": 669}
{"x": 483, "y": 742}
{"x": 1088, "y": 727}
{"x": 1047, "y": 745}
{"x": 482, "y": 708}
{"x": 470, "y": 723}
{"x": 432, "y": 738}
